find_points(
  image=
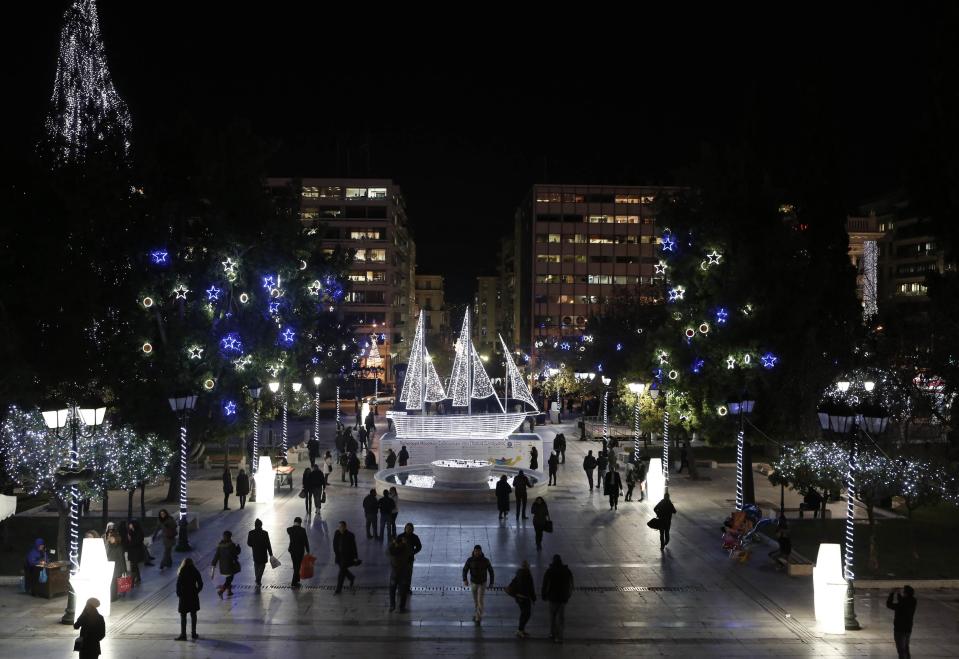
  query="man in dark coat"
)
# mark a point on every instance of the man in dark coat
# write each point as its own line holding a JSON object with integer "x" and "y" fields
{"x": 503, "y": 491}
{"x": 664, "y": 511}
{"x": 227, "y": 488}
{"x": 522, "y": 589}
{"x": 385, "y": 507}
{"x": 552, "y": 464}
{"x": 390, "y": 459}
{"x": 313, "y": 447}
{"x": 533, "y": 458}
{"x": 589, "y": 464}
{"x": 602, "y": 461}
{"x": 413, "y": 541}
{"x": 299, "y": 546}
{"x": 904, "y": 604}
{"x": 520, "y": 484}
{"x": 404, "y": 456}
{"x": 557, "y": 589}
{"x": 351, "y": 444}
{"x": 189, "y": 583}
{"x": 559, "y": 445}
{"x": 612, "y": 487}
{"x": 477, "y": 567}
{"x": 401, "y": 570}
{"x": 345, "y": 555}
{"x": 258, "y": 541}
{"x": 370, "y": 426}
{"x": 242, "y": 487}
{"x": 370, "y": 508}
{"x": 363, "y": 437}
{"x": 354, "y": 468}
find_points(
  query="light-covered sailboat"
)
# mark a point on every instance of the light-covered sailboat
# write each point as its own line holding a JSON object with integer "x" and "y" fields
{"x": 468, "y": 381}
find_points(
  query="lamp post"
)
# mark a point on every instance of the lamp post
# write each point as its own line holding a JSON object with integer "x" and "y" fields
{"x": 316, "y": 421}
{"x": 337, "y": 406}
{"x": 654, "y": 393}
{"x": 637, "y": 389}
{"x": 55, "y": 420}
{"x": 845, "y": 421}
{"x": 552, "y": 373}
{"x": 275, "y": 387}
{"x": 181, "y": 406}
{"x": 255, "y": 395}
{"x": 606, "y": 382}
{"x": 741, "y": 408}
{"x": 583, "y": 377}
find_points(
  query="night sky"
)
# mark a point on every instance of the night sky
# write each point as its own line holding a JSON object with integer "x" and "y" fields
{"x": 465, "y": 123}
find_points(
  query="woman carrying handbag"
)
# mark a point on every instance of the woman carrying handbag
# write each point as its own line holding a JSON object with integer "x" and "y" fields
{"x": 92, "y": 630}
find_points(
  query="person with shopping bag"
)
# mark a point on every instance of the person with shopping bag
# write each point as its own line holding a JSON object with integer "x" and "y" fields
{"x": 345, "y": 555}
{"x": 299, "y": 547}
{"x": 227, "y": 556}
{"x": 258, "y": 541}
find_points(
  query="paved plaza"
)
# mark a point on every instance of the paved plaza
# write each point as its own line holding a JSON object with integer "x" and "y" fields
{"x": 630, "y": 599}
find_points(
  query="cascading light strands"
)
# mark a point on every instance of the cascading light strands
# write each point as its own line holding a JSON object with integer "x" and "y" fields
{"x": 517, "y": 385}
{"x": 459, "y": 384}
{"x": 86, "y": 110}
{"x": 870, "y": 290}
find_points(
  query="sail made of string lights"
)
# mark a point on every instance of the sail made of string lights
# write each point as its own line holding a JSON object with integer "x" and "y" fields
{"x": 870, "y": 267}
{"x": 517, "y": 385}
{"x": 86, "y": 111}
{"x": 459, "y": 383}
{"x": 422, "y": 384}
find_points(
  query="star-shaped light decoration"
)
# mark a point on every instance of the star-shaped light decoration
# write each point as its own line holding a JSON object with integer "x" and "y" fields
{"x": 230, "y": 408}
{"x": 663, "y": 357}
{"x": 229, "y": 265}
{"x": 721, "y": 316}
{"x": 274, "y": 307}
{"x": 315, "y": 361}
{"x": 660, "y": 268}
{"x": 269, "y": 282}
{"x": 231, "y": 343}
{"x": 181, "y": 291}
{"x": 159, "y": 257}
{"x": 288, "y": 335}
{"x": 194, "y": 352}
{"x": 668, "y": 241}
{"x": 241, "y": 363}
{"x": 730, "y": 362}
{"x": 714, "y": 257}
{"x": 769, "y": 360}
{"x": 677, "y": 293}
{"x": 213, "y": 293}
{"x": 315, "y": 288}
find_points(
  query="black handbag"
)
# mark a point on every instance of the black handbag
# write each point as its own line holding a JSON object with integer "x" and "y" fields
{"x": 653, "y": 523}
{"x": 548, "y": 527}
{"x": 78, "y": 644}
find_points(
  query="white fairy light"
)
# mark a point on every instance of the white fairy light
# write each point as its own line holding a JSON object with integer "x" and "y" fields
{"x": 714, "y": 257}
{"x": 180, "y": 292}
{"x": 870, "y": 295}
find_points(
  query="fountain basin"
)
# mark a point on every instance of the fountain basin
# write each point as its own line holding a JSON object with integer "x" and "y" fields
{"x": 461, "y": 473}
{"x": 418, "y": 483}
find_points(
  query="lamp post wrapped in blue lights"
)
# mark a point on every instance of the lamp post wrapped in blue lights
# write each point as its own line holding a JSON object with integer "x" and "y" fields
{"x": 56, "y": 420}
{"x": 846, "y": 419}
{"x": 637, "y": 389}
{"x": 583, "y": 377}
{"x": 182, "y": 406}
{"x": 741, "y": 408}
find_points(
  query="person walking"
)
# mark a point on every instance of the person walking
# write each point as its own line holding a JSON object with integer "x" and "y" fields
{"x": 630, "y": 483}
{"x": 370, "y": 426}
{"x": 340, "y": 442}
{"x": 227, "y": 557}
{"x": 390, "y": 459}
{"x": 904, "y": 604}
{"x": 533, "y": 458}
{"x": 258, "y": 541}
{"x": 522, "y": 589}
{"x": 589, "y": 464}
{"x": 520, "y": 484}
{"x": 412, "y": 540}
{"x": 362, "y": 435}
{"x": 541, "y": 520}
{"x": 404, "y": 456}
{"x": 559, "y": 445}
{"x": 557, "y": 589}
{"x": 313, "y": 449}
{"x": 553, "y": 465}
{"x": 93, "y": 629}
{"x": 642, "y": 468}
{"x": 344, "y": 461}
{"x": 370, "y": 508}
{"x": 345, "y": 554}
{"x": 317, "y": 485}
{"x": 354, "y": 465}
{"x": 385, "y": 508}
{"x": 299, "y": 546}
{"x": 359, "y": 413}
{"x": 664, "y": 511}
{"x": 352, "y": 446}
{"x": 327, "y": 465}
{"x": 189, "y": 583}
{"x": 115, "y": 554}
{"x": 683, "y": 458}
{"x": 242, "y": 487}
{"x": 227, "y": 487}
{"x": 602, "y": 464}
{"x": 306, "y": 494}
{"x": 133, "y": 546}
{"x": 613, "y": 487}
{"x": 503, "y": 491}
{"x": 477, "y": 567}
{"x": 401, "y": 570}
{"x": 166, "y": 529}
{"x": 395, "y": 496}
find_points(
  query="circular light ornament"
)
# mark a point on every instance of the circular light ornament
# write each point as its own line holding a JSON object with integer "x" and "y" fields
{"x": 244, "y": 298}
{"x": 704, "y": 328}
{"x": 673, "y": 375}
{"x": 302, "y": 264}
{"x": 147, "y": 348}
{"x": 690, "y": 332}
{"x": 722, "y": 411}
{"x": 747, "y": 358}
{"x": 275, "y": 292}
{"x": 209, "y": 383}
{"x": 147, "y": 302}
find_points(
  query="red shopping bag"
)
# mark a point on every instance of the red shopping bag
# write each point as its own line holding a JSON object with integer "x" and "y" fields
{"x": 124, "y": 584}
{"x": 306, "y": 567}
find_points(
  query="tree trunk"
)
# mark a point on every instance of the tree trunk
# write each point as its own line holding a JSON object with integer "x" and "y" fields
{"x": 130, "y": 503}
{"x": 106, "y": 507}
{"x": 691, "y": 458}
{"x": 873, "y": 541}
{"x": 63, "y": 528}
{"x": 914, "y": 550}
{"x": 143, "y": 507}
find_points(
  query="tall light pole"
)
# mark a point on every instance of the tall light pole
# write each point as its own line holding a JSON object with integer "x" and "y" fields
{"x": 654, "y": 393}
{"x": 606, "y": 382}
{"x": 55, "y": 420}
{"x": 583, "y": 377}
{"x": 181, "y": 406}
{"x": 255, "y": 395}
{"x": 275, "y": 387}
{"x": 741, "y": 408}
{"x": 316, "y": 421}
{"x": 637, "y": 389}
{"x": 845, "y": 421}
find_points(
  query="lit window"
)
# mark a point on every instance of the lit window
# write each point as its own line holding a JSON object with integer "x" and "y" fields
{"x": 377, "y": 193}
{"x": 626, "y": 199}
{"x": 574, "y": 258}
{"x": 355, "y": 193}
{"x": 547, "y": 258}
{"x": 601, "y": 239}
{"x": 378, "y": 255}
{"x": 553, "y": 238}
{"x": 627, "y": 219}
{"x": 575, "y": 238}
{"x": 371, "y": 234}
{"x": 331, "y": 192}
{"x": 600, "y": 219}
{"x": 310, "y": 192}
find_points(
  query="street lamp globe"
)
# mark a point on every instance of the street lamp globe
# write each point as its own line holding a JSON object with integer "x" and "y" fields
{"x": 274, "y": 386}
{"x": 296, "y": 387}
{"x": 869, "y": 385}
{"x": 317, "y": 380}
{"x": 843, "y": 386}
{"x": 636, "y": 388}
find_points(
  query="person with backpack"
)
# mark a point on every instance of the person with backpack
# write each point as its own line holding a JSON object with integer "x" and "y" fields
{"x": 477, "y": 568}
{"x": 189, "y": 583}
{"x": 166, "y": 529}
{"x": 664, "y": 511}
{"x": 589, "y": 464}
{"x": 258, "y": 541}
{"x": 227, "y": 557}
{"x": 522, "y": 589}
{"x": 557, "y": 589}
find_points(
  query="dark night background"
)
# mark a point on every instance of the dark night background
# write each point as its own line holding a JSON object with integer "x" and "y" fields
{"x": 465, "y": 124}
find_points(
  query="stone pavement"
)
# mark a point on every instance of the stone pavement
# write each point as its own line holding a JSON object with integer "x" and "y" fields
{"x": 631, "y": 600}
